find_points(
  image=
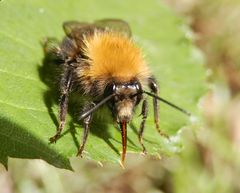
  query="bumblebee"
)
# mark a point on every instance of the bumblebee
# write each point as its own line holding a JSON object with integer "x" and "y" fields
{"x": 103, "y": 62}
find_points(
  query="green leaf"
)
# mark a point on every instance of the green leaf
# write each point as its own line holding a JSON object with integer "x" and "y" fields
{"x": 28, "y": 101}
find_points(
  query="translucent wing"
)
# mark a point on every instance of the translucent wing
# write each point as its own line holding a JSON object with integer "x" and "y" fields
{"x": 70, "y": 26}
{"x": 114, "y": 25}
{"x": 106, "y": 24}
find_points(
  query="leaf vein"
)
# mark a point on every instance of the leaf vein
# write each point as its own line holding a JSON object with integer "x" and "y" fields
{"x": 17, "y": 75}
{"x": 23, "y": 108}
{"x": 18, "y": 40}
{"x": 21, "y": 76}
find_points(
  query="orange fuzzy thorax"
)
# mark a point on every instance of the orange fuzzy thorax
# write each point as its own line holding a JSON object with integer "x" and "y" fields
{"x": 112, "y": 55}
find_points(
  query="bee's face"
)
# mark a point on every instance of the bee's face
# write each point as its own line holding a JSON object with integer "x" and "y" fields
{"x": 127, "y": 96}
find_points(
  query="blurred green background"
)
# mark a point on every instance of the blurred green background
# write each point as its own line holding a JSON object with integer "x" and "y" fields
{"x": 209, "y": 161}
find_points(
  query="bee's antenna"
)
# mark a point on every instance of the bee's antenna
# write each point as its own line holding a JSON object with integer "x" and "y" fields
{"x": 168, "y": 103}
{"x": 85, "y": 114}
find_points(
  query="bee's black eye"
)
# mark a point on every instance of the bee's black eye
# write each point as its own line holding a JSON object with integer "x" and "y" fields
{"x": 109, "y": 89}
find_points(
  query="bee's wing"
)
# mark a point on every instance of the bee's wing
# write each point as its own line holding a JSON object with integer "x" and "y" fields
{"x": 114, "y": 25}
{"x": 70, "y": 26}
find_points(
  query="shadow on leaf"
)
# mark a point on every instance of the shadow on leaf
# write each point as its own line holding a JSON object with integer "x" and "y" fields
{"x": 16, "y": 142}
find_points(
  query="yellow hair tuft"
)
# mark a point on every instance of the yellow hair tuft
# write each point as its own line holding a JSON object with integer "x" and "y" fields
{"x": 112, "y": 55}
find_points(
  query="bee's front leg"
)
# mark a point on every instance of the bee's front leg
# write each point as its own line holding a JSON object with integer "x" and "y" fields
{"x": 86, "y": 122}
{"x": 144, "y": 114}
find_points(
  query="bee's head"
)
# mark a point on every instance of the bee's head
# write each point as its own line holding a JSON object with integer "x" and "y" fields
{"x": 126, "y": 96}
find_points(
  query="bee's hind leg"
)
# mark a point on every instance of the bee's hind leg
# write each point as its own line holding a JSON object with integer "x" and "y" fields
{"x": 65, "y": 87}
